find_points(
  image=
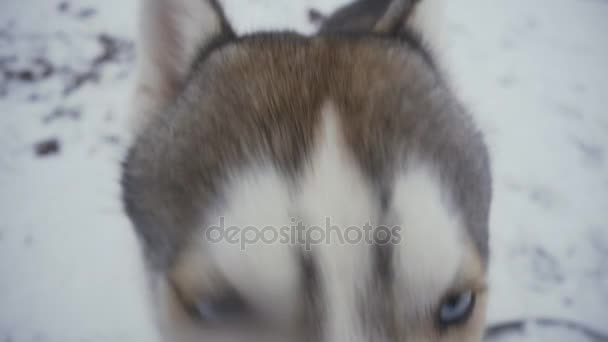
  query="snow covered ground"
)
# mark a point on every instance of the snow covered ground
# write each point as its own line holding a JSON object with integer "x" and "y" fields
{"x": 533, "y": 73}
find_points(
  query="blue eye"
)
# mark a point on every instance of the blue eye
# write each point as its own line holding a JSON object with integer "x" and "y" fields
{"x": 219, "y": 309}
{"x": 456, "y": 308}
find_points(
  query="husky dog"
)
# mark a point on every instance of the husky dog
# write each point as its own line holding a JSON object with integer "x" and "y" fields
{"x": 354, "y": 125}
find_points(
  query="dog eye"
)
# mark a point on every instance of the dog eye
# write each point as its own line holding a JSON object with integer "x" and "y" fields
{"x": 456, "y": 308}
{"x": 225, "y": 308}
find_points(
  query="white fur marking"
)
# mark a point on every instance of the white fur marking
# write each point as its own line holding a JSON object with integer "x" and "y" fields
{"x": 432, "y": 246}
{"x": 266, "y": 274}
{"x": 334, "y": 188}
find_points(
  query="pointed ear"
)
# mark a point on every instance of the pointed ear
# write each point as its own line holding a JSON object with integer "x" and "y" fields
{"x": 379, "y": 16}
{"x": 173, "y": 33}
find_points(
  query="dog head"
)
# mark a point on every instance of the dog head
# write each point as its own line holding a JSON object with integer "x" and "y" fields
{"x": 291, "y": 188}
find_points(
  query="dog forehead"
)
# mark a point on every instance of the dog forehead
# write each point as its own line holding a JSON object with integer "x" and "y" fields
{"x": 333, "y": 193}
{"x": 329, "y": 197}
{"x": 267, "y": 218}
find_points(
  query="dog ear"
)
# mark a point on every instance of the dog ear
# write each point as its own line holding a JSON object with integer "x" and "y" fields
{"x": 173, "y": 34}
{"x": 359, "y": 16}
{"x": 388, "y": 17}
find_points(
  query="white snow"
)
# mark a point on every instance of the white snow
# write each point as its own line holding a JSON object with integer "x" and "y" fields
{"x": 532, "y": 72}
